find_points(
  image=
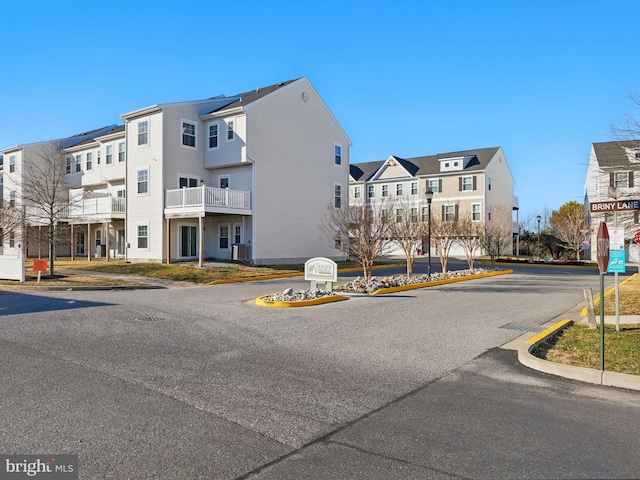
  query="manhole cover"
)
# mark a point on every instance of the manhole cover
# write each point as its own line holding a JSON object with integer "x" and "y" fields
{"x": 149, "y": 319}
{"x": 522, "y": 328}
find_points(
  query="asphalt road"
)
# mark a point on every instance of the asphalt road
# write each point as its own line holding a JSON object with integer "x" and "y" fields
{"x": 201, "y": 383}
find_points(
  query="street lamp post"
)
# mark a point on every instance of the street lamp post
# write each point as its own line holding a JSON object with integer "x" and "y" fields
{"x": 429, "y": 195}
{"x": 538, "y": 218}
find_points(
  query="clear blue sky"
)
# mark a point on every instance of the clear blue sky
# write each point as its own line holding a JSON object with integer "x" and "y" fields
{"x": 543, "y": 79}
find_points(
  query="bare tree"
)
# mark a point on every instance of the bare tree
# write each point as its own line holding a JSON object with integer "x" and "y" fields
{"x": 45, "y": 192}
{"x": 498, "y": 232}
{"x": 567, "y": 224}
{"x": 444, "y": 234}
{"x": 362, "y": 232}
{"x": 470, "y": 238}
{"x": 407, "y": 230}
{"x": 629, "y": 128}
{"x": 10, "y": 217}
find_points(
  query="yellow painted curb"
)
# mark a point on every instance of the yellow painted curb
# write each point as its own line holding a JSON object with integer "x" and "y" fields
{"x": 596, "y": 301}
{"x": 302, "y": 303}
{"x": 413, "y": 286}
{"x": 550, "y": 331}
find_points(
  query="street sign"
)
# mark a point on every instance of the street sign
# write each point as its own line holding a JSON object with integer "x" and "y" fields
{"x": 603, "y": 248}
{"x": 636, "y": 237}
{"x": 614, "y": 206}
{"x": 616, "y": 238}
{"x": 617, "y": 262}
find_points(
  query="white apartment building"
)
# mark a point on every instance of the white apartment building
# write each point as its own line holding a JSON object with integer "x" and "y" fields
{"x": 469, "y": 182}
{"x": 247, "y": 176}
{"x": 612, "y": 174}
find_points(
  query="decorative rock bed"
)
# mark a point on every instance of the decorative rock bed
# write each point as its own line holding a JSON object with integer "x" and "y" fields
{"x": 360, "y": 286}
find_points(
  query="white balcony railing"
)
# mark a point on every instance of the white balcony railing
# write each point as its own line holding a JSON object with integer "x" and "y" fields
{"x": 99, "y": 206}
{"x": 208, "y": 198}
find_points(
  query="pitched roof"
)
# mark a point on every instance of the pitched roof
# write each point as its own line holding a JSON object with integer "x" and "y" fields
{"x": 89, "y": 137}
{"x": 613, "y": 154}
{"x": 253, "y": 95}
{"x": 428, "y": 165}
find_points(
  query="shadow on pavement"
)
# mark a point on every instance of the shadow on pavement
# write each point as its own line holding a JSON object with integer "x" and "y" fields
{"x": 12, "y": 303}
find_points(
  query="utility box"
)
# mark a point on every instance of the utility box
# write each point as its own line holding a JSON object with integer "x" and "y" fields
{"x": 238, "y": 251}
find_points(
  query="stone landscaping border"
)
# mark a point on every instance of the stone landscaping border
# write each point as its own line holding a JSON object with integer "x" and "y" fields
{"x": 299, "y": 303}
{"x": 384, "y": 291}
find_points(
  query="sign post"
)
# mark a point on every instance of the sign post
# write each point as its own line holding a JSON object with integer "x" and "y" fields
{"x": 40, "y": 266}
{"x": 603, "y": 263}
{"x": 617, "y": 263}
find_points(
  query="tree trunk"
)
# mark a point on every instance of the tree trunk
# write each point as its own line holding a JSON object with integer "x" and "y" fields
{"x": 52, "y": 247}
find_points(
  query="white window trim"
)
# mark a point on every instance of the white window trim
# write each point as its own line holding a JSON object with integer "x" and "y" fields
{"x": 108, "y": 163}
{"x": 217, "y": 147}
{"x": 12, "y": 164}
{"x": 78, "y": 163}
{"x": 88, "y": 158}
{"x": 401, "y": 186}
{"x": 220, "y": 177}
{"x": 357, "y": 191}
{"x": 138, "y": 237}
{"x": 190, "y": 225}
{"x": 341, "y": 155}
{"x": 480, "y": 212}
{"x": 436, "y": 180}
{"x": 337, "y": 184}
{"x": 467, "y": 177}
{"x": 138, "y": 170}
{"x": 124, "y": 151}
{"x": 234, "y": 126}
{"x": 195, "y": 131}
{"x": 186, "y": 175}
{"x": 220, "y": 225}
{"x": 234, "y": 233}
{"x": 417, "y": 188}
{"x": 137, "y": 132}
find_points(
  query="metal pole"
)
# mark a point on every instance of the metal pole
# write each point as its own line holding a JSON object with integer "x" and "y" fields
{"x": 602, "y": 322}
{"x": 538, "y": 252}
{"x": 429, "y": 238}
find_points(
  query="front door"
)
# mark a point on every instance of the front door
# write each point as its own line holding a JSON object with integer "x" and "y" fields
{"x": 188, "y": 241}
{"x": 79, "y": 243}
{"x": 120, "y": 242}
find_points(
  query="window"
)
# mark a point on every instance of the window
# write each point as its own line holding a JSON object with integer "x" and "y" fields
{"x": 370, "y": 191}
{"x": 622, "y": 179}
{"x": 414, "y": 214}
{"x": 398, "y": 189}
{"x": 609, "y": 217}
{"x": 121, "y": 193}
{"x": 224, "y": 237}
{"x": 108, "y": 155}
{"x": 98, "y": 158}
{"x": 78, "y": 163}
{"x": 143, "y": 181}
{"x": 449, "y": 213}
{"x": 213, "y": 135}
{"x": 475, "y": 212}
{"x": 143, "y": 236}
{"x": 356, "y": 191}
{"x": 188, "y": 241}
{"x": 336, "y": 242}
{"x": 12, "y": 198}
{"x": 337, "y": 196}
{"x": 489, "y": 183}
{"x": 399, "y": 215}
{"x": 385, "y": 190}
{"x": 12, "y": 239}
{"x": 190, "y": 182}
{"x": 89, "y": 159}
{"x": 414, "y": 188}
{"x": 425, "y": 214}
{"x": 143, "y": 132}
{"x": 337, "y": 154}
{"x": 435, "y": 185}
{"x": 230, "y": 132}
{"x": 12, "y": 163}
{"x": 467, "y": 183}
{"x": 67, "y": 165}
{"x": 237, "y": 234}
{"x": 121, "y": 152}
{"x": 188, "y": 134}
{"x": 223, "y": 182}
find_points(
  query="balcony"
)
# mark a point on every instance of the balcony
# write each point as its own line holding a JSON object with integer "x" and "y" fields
{"x": 96, "y": 209}
{"x": 198, "y": 201}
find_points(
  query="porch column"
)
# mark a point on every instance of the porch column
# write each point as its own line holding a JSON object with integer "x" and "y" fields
{"x": 73, "y": 245}
{"x": 168, "y": 252}
{"x": 88, "y": 242}
{"x": 106, "y": 227}
{"x": 201, "y": 239}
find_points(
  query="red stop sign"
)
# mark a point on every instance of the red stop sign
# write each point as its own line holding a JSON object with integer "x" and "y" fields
{"x": 602, "y": 251}
{"x": 636, "y": 237}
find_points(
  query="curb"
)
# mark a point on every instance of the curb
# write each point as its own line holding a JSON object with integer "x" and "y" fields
{"x": 301, "y": 303}
{"x": 582, "y": 374}
{"x": 413, "y": 286}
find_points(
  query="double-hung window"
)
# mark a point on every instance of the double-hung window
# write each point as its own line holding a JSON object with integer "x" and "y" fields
{"x": 67, "y": 165}
{"x": 467, "y": 183}
{"x": 356, "y": 191}
{"x": 213, "y": 135}
{"x": 108, "y": 155}
{"x": 121, "y": 152}
{"x": 371, "y": 191}
{"x": 337, "y": 196}
{"x": 449, "y": 213}
{"x": 12, "y": 198}
{"x": 143, "y": 181}
{"x": 385, "y": 190}
{"x": 12, "y": 163}
{"x": 475, "y": 212}
{"x": 89, "y": 159}
{"x": 434, "y": 185}
{"x": 399, "y": 215}
{"x": 188, "y": 134}
{"x": 143, "y": 237}
{"x": 230, "y": 131}
{"x": 399, "y": 189}
{"x": 78, "y": 163}
{"x": 143, "y": 132}
{"x": 414, "y": 214}
{"x": 414, "y": 188}
{"x": 223, "y": 238}
{"x": 337, "y": 154}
